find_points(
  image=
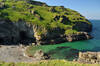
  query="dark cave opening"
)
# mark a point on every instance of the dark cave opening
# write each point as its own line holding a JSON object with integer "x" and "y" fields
{"x": 25, "y": 39}
{"x": 1, "y": 40}
{"x": 23, "y": 35}
{"x": 22, "y": 39}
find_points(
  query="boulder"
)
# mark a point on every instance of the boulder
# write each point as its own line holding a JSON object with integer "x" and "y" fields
{"x": 40, "y": 55}
{"x": 89, "y": 57}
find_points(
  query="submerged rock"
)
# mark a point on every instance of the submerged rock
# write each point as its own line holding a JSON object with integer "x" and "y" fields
{"x": 40, "y": 55}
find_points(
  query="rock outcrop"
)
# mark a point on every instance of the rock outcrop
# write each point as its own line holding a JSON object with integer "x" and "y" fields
{"x": 89, "y": 57}
{"x": 83, "y": 26}
{"x": 40, "y": 55}
{"x": 15, "y": 32}
{"x": 38, "y": 3}
{"x": 53, "y": 38}
{"x": 78, "y": 36}
{"x": 24, "y": 32}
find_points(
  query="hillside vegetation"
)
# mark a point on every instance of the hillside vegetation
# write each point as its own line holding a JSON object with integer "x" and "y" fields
{"x": 46, "y": 20}
{"x": 45, "y": 16}
{"x": 48, "y": 63}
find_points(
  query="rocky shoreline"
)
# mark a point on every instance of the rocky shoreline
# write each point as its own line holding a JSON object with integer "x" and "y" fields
{"x": 65, "y": 38}
{"x": 16, "y": 53}
{"x": 22, "y": 32}
{"x": 89, "y": 57}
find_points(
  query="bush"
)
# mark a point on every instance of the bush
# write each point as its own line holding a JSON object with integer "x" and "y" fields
{"x": 70, "y": 32}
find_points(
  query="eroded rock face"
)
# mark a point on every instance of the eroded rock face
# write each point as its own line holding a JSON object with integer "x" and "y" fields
{"x": 49, "y": 37}
{"x": 26, "y": 32}
{"x": 52, "y": 9}
{"x": 14, "y": 32}
{"x": 63, "y": 19}
{"x": 40, "y": 55}
{"x": 52, "y": 21}
{"x": 8, "y": 31}
{"x": 89, "y": 57}
{"x": 59, "y": 37}
{"x": 38, "y": 3}
{"x": 83, "y": 26}
{"x": 2, "y": 5}
{"x": 78, "y": 36}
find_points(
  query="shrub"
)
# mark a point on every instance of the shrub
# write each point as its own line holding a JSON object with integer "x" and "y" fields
{"x": 70, "y": 32}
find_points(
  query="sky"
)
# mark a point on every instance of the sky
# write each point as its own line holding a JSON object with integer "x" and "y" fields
{"x": 88, "y": 8}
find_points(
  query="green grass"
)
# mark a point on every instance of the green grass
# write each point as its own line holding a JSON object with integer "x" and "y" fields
{"x": 70, "y": 32}
{"x": 48, "y": 63}
{"x": 21, "y": 10}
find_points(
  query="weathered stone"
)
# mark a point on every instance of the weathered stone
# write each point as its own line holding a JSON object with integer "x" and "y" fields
{"x": 52, "y": 9}
{"x": 38, "y": 3}
{"x": 65, "y": 20}
{"x": 89, "y": 57}
{"x": 20, "y": 31}
{"x": 40, "y": 55}
{"x": 2, "y": 5}
{"x": 15, "y": 32}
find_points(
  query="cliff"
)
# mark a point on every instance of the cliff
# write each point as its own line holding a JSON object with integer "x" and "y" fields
{"x": 27, "y": 22}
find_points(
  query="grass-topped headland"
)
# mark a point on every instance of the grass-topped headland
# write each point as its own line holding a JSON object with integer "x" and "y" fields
{"x": 46, "y": 24}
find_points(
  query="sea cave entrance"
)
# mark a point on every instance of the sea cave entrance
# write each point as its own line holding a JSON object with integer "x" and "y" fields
{"x": 23, "y": 35}
{"x": 1, "y": 40}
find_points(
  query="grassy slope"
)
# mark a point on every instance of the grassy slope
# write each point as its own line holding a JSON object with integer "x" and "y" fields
{"x": 49, "y": 63}
{"x": 43, "y": 15}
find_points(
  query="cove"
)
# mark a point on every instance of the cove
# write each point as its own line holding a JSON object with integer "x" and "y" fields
{"x": 69, "y": 49}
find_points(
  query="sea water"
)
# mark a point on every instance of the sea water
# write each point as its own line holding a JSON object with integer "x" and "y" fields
{"x": 61, "y": 51}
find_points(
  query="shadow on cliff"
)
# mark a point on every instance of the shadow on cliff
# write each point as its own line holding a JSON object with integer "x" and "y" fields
{"x": 24, "y": 41}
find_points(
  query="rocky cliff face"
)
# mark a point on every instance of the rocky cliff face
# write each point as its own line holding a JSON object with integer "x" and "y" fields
{"x": 24, "y": 32}
{"x": 83, "y": 26}
{"x": 15, "y": 32}
{"x": 55, "y": 38}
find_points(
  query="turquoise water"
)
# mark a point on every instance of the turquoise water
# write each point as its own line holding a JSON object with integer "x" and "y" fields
{"x": 86, "y": 45}
{"x": 92, "y": 44}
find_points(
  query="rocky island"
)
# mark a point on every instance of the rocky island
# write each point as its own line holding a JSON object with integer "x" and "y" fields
{"x": 36, "y": 22}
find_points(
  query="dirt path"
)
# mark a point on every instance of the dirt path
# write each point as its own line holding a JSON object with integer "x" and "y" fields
{"x": 13, "y": 53}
